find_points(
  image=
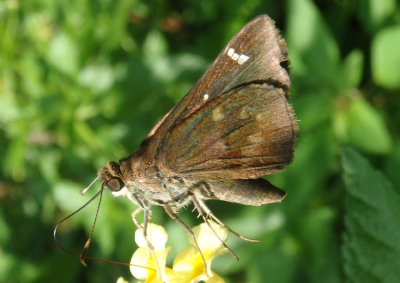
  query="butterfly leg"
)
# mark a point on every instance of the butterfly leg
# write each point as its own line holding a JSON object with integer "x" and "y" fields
{"x": 189, "y": 231}
{"x": 134, "y": 214}
{"x": 144, "y": 227}
{"x": 204, "y": 215}
{"x": 146, "y": 220}
{"x": 206, "y": 211}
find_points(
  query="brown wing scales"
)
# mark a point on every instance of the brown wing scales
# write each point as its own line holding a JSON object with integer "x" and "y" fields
{"x": 244, "y": 133}
{"x": 255, "y": 53}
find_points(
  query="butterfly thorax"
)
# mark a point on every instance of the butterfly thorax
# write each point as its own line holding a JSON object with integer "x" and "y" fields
{"x": 145, "y": 184}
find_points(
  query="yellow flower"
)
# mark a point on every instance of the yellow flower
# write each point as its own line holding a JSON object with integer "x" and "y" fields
{"x": 121, "y": 280}
{"x": 188, "y": 265}
{"x": 146, "y": 257}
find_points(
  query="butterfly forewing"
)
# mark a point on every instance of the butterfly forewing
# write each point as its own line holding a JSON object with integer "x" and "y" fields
{"x": 255, "y": 54}
{"x": 244, "y": 133}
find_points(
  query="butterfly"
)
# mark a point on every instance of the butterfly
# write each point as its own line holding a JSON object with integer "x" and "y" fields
{"x": 234, "y": 126}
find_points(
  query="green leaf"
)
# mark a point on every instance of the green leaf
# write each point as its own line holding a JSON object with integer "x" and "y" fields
{"x": 278, "y": 265}
{"x": 385, "y": 57}
{"x": 155, "y": 45}
{"x": 5, "y": 231}
{"x": 392, "y": 165}
{"x": 312, "y": 48}
{"x": 63, "y": 54}
{"x": 359, "y": 124}
{"x": 373, "y": 13}
{"x": 97, "y": 77}
{"x": 372, "y": 228}
{"x": 353, "y": 69}
{"x": 15, "y": 160}
{"x": 87, "y": 135}
{"x": 48, "y": 165}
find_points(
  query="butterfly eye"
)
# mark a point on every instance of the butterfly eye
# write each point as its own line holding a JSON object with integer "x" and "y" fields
{"x": 114, "y": 184}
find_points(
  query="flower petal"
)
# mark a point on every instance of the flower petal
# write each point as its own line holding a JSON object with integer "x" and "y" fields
{"x": 155, "y": 234}
{"x": 147, "y": 265}
{"x": 187, "y": 261}
{"x": 141, "y": 258}
{"x": 121, "y": 280}
{"x": 215, "y": 279}
{"x": 206, "y": 238}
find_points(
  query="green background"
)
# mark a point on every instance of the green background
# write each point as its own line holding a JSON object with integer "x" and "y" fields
{"x": 82, "y": 82}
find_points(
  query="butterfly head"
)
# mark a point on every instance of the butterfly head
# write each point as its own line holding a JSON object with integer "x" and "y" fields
{"x": 111, "y": 177}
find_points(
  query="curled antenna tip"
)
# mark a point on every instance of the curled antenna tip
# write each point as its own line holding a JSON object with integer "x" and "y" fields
{"x": 88, "y": 187}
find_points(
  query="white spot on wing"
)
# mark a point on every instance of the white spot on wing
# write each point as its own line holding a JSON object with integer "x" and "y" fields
{"x": 243, "y": 58}
{"x": 205, "y": 97}
{"x": 240, "y": 58}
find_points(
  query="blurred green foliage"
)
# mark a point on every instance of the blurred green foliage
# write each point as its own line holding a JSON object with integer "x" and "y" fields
{"x": 82, "y": 82}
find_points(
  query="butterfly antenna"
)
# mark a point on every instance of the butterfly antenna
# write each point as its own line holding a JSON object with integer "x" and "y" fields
{"x": 88, "y": 187}
{"x": 82, "y": 256}
{"x": 85, "y": 249}
{"x": 68, "y": 217}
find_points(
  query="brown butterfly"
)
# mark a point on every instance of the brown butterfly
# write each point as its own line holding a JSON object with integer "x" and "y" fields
{"x": 233, "y": 127}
